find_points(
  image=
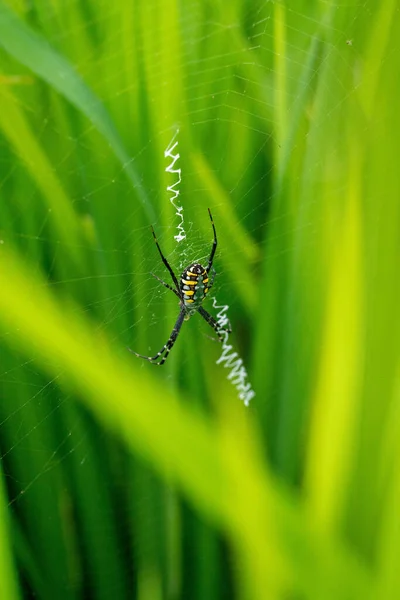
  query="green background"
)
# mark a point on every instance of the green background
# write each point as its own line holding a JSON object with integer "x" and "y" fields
{"x": 125, "y": 480}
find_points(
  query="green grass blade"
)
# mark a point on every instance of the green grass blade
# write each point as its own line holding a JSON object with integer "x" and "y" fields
{"x": 17, "y": 129}
{"x": 181, "y": 445}
{"x": 34, "y": 52}
{"x": 8, "y": 576}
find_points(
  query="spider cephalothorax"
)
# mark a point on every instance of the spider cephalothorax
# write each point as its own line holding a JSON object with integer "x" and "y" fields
{"x": 193, "y": 287}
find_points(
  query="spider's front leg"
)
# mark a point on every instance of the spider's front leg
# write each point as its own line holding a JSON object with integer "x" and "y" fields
{"x": 166, "y": 285}
{"x": 211, "y": 276}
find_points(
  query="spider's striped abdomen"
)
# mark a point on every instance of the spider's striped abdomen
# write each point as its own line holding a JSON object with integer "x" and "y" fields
{"x": 194, "y": 285}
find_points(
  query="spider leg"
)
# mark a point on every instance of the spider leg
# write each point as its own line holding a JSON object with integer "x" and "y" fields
{"x": 214, "y": 246}
{"x": 168, "y": 345}
{"x": 213, "y": 323}
{"x": 166, "y": 285}
{"x": 166, "y": 263}
{"x": 212, "y": 277}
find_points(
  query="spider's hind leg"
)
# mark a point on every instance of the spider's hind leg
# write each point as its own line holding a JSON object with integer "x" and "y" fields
{"x": 151, "y": 359}
{"x": 168, "y": 345}
{"x": 214, "y": 324}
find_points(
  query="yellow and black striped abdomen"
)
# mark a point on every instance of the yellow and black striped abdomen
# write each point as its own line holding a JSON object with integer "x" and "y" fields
{"x": 194, "y": 285}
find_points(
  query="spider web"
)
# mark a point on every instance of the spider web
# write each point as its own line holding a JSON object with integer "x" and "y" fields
{"x": 228, "y": 96}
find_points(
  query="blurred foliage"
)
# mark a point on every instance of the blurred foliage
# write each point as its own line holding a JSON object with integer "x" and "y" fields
{"x": 123, "y": 480}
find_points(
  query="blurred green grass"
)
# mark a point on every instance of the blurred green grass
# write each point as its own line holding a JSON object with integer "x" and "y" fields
{"x": 122, "y": 480}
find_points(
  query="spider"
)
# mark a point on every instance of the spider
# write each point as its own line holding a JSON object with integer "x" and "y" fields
{"x": 191, "y": 290}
